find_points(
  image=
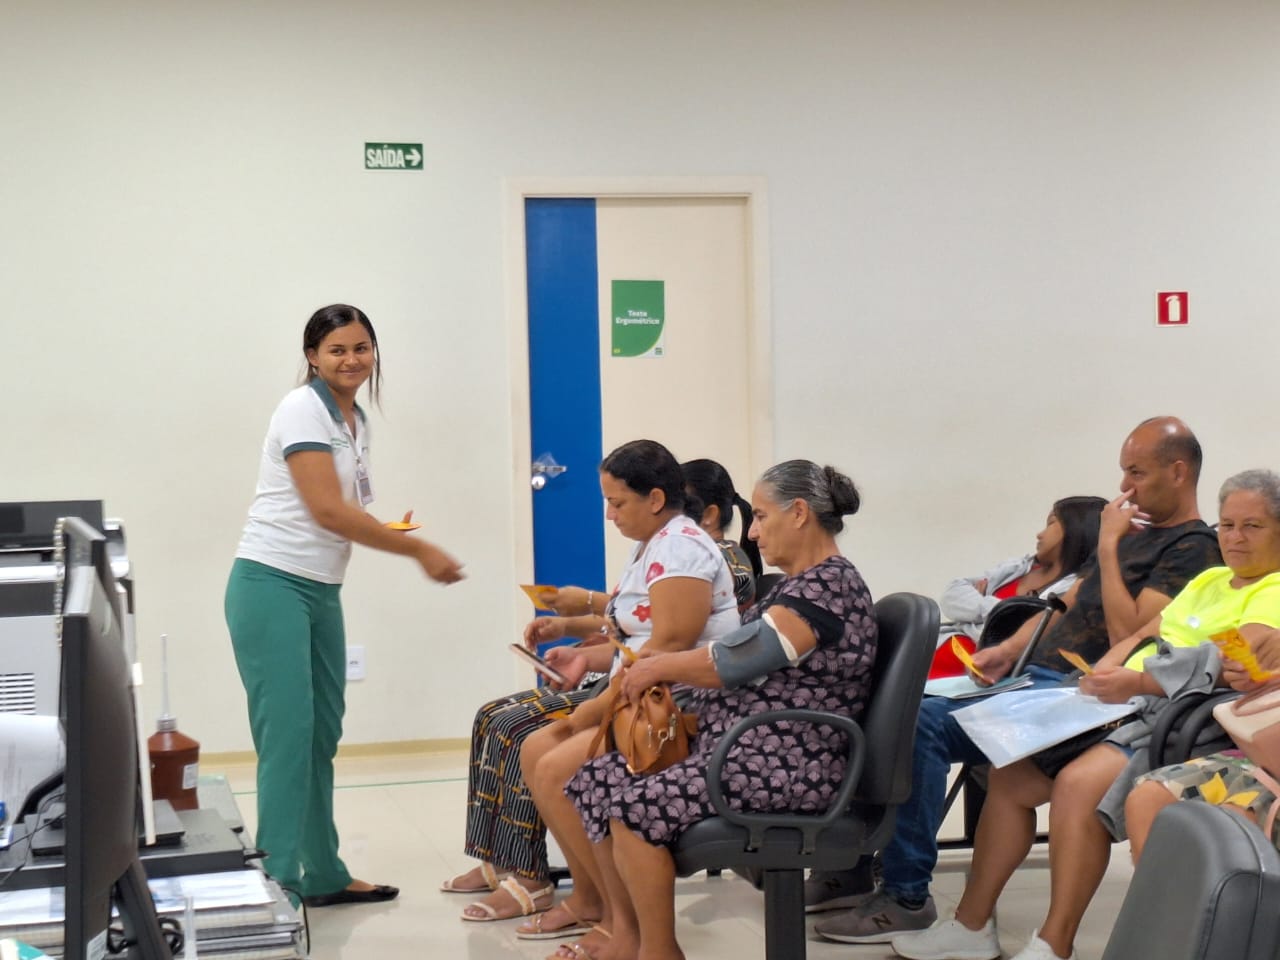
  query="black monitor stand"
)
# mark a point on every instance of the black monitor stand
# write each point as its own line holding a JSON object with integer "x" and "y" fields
{"x": 138, "y": 915}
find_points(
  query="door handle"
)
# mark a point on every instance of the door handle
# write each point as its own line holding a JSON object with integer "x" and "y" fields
{"x": 544, "y": 468}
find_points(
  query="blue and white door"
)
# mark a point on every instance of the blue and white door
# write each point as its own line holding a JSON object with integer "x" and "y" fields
{"x": 703, "y": 391}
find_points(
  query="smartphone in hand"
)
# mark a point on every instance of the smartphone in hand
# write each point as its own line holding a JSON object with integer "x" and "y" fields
{"x": 535, "y": 661}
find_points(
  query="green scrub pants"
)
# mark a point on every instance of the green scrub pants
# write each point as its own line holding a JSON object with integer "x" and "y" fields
{"x": 290, "y": 648}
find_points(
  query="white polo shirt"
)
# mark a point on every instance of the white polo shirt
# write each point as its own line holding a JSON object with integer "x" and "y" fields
{"x": 281, "y": 532}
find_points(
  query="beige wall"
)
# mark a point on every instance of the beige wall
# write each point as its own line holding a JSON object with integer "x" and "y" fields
{"x": 972, "y": 207}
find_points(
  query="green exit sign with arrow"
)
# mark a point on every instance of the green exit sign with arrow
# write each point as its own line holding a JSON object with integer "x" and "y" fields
{"x": 393, "y": 156}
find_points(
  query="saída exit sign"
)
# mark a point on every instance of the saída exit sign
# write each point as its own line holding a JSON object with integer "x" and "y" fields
{"x": 393, "y": 156}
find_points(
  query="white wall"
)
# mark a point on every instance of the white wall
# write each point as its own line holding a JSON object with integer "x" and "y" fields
{"x": 972, "y": 206}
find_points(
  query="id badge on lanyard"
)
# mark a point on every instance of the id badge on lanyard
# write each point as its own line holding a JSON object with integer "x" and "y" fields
{"x": 364, "y": 486}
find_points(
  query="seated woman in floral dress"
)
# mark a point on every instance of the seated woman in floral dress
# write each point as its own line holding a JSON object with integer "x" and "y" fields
{"x": 815, "y": 649}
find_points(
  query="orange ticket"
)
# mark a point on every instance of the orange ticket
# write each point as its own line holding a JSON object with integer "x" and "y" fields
{"x": 963, "y": 656}
{"x": 540, "y": 594}
{"x": 1235, "y": 647}
{"x": 1077, "y": 661}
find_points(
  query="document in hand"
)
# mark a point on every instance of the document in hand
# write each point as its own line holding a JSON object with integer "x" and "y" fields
{"x": 1017, "y": 724}
{"x": 962, "y": 688}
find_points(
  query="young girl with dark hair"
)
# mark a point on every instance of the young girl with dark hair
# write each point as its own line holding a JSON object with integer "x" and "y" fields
{"x": 712, "y": 485}
{"x": 1069, "y": 537}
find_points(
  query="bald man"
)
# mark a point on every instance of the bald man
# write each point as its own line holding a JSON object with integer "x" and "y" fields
{"x": 1151, "y": 542}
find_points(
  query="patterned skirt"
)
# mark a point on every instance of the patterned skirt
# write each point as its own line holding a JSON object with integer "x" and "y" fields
{"x": 1219, "y": 778}
{"x": 779, "y": 767}
{"x": 503, "y": 825}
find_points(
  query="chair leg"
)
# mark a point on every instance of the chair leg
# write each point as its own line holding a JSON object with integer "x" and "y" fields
{"x": 784, "y": 937}
{"x": 975, "y": 796}
{"x": 954, "y": 790}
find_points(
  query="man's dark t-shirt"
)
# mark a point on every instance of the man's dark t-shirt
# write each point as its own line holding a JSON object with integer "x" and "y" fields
{"x": 1163, "y": 559}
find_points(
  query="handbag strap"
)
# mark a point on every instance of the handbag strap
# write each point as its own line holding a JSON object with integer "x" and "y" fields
{"x": 1248, "y": 705}
{"x": 1270, "y": 783}
{"x": 606, "y": 720}
{"x": 614, "y": 692}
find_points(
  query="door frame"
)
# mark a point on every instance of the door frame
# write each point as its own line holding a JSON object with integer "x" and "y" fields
{"x": 515, "y": 288}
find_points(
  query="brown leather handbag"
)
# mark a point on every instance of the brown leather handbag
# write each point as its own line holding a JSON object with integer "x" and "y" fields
{"x": 651, "y": 734}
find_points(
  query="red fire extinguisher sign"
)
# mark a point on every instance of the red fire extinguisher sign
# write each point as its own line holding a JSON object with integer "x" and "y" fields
{"x": 1171, "y": 309}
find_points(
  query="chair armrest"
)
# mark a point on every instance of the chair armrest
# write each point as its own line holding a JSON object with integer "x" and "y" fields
{"x": 1009, "y": 615}
{"x": 1053, "y": 604}
{"x": 810, "y": 825}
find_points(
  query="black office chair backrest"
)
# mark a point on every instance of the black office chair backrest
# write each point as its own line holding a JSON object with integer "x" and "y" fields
{"x": 908, "y": 626}
{"x": 766, "y": 582}
{"x": 1007, "y": 616}
{"x": 1206, "y": 889}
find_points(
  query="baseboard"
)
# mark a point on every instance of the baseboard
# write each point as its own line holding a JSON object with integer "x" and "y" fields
{"x": 389, "y": 748}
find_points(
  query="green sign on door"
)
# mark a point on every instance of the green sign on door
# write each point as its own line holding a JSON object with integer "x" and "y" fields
{"x": 393, "y": 156}
{"x": 639, "y": 315}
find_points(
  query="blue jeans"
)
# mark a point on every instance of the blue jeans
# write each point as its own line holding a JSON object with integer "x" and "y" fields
{"x": 912, "y": 854}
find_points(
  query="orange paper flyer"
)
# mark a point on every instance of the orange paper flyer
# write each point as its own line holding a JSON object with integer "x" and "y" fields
{"x": 540, "y": 594}
{"x": 963, "y": 656}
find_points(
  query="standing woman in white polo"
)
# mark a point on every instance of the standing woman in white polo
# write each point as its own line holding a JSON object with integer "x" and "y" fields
{"x": 283, "y": 607}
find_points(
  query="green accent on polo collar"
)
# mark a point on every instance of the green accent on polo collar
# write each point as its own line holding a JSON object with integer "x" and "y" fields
{"x": 326, "y": 396}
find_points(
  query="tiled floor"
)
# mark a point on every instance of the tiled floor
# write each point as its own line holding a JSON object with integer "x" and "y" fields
{"x": 401, "y": 822}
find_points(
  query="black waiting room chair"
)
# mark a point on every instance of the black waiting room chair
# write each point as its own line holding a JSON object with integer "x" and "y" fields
{"x": 1207, "y": 888}
{"x": 780, "y": 847}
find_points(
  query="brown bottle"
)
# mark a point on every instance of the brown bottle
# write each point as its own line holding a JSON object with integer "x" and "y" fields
{"x": 175, "y": 765}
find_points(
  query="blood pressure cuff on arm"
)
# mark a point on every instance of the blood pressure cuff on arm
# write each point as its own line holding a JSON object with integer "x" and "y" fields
{"x": 751, "y": 653}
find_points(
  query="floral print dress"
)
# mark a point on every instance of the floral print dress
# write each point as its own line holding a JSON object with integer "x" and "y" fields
{"x": 786, "y": 766}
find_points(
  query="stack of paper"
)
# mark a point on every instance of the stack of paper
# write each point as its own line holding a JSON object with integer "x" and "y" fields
{"x": 964, "y": 687}
{"x": 239, "y": 913}
{"x": 1019, "y": 724}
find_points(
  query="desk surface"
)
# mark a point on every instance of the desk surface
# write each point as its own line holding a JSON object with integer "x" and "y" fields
{"x": 214, "y": 792}
{"x": 208, "y": 846}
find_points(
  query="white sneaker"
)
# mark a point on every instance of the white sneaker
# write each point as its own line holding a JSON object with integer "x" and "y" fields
{"x": 1037, "y": 949}
{"x": 949, "y": 940}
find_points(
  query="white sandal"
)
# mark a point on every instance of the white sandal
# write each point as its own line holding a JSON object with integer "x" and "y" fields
{"x": 576, "y": 927}
{"x": 526, "y": 900}
{"x": 492, "y": 879}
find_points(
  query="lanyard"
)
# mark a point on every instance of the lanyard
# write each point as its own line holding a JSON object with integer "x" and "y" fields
{"x": 364, "y": 487}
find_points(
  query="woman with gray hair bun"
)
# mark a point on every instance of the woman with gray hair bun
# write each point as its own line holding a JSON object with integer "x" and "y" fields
{"x": 810, "y": 642}
{"x": 828, "y": 492}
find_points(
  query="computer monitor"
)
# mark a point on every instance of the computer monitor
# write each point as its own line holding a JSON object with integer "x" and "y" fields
{"x": 102, "y": 792}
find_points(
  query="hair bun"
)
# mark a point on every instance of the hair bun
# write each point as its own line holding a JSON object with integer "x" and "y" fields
{"x": 845, "y": 499}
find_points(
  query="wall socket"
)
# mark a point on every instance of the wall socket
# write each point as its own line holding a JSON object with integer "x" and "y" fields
{"x": 355, "y": 663}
